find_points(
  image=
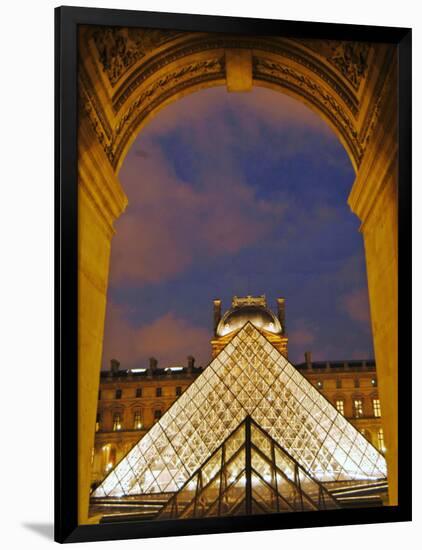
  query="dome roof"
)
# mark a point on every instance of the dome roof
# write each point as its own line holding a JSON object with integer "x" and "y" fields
{"x": 259, "y": 316}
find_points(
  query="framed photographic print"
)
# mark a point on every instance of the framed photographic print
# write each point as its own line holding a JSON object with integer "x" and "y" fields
{"x": 232, "y": 274}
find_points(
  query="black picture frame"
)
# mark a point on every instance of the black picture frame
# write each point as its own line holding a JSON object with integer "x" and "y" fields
{"x": 67, "y": 20}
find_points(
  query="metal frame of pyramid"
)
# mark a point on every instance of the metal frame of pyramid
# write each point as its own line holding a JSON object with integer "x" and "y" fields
{"x": 248, "y": 474}
{"x": 249, "y": 377}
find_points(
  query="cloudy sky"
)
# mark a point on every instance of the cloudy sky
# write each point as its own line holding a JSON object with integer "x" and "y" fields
{"x": 235, "y": 194}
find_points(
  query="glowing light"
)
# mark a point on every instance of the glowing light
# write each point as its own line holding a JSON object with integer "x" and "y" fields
{"x": 138, "y": 370}
{"x": 311, "y": 430}
{"x": 173, "y": 369}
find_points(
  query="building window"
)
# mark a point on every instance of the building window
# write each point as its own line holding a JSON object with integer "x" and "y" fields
{"x": 338, "y": 383}
{"x": 357, "y": 383}
{"x": 98, "y": 422}
{"x": 357, "y": 408}
{"x": 178, "y": 390}
{"x": 376, "y": 406}
{"x": 138, "y": 392}
{"x": 137, "y": 424}
{"x": 381, "y": 444}
{"x": 320, "y": 384}
{"x": 374, "y": 382}
{"x": 117, "y": 422}
{"x": 118, "y": 394}
{"x": 340, "y": 406}
{"x": 157, "y": 414}
{"x": 158, "y": 392}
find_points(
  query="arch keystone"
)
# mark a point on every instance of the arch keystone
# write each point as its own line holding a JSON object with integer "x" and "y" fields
{"x": 238, "y": 70}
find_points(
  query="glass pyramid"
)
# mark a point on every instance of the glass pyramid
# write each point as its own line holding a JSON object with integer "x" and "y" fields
{"x": 248, "y": 474}
{"x": 249, "y": 377}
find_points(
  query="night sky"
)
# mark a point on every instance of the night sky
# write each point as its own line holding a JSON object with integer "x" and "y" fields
{"x": 235, "y": 194}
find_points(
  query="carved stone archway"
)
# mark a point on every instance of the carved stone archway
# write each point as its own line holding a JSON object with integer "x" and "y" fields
{"x": 127, "y": 75}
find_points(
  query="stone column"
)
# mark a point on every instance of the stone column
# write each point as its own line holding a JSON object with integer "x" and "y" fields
{"x": 101, "y": 200}
{"x": 374, "y": 200}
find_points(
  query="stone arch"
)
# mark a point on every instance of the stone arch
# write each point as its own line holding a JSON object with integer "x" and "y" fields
{"x": 138, "y": 87}
{"x": 126, "y": 75}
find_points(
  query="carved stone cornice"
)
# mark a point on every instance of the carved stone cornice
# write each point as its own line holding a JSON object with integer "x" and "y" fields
{"x": 157, "y": 91}
{"x": 170, "y": 80}
{"x": 198, "y": 44}
{"x": 326, "y": 74}
{"x": 379, "y": 169}
{"x": 90, "y": 107}
{"x": 350, "y": 58}
{"x": 119, "y": 47}
{"x": 166, "y": 86}
{"x": 302, "y": 84}
{"x": 386, "y": 76}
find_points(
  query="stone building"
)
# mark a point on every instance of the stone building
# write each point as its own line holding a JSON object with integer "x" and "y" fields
{"x": 131, "y": 401}
{"x": 355, "y": 93}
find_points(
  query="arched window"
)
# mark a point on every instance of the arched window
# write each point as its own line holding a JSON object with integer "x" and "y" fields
{"x": 117, "y": 422}
{"x": 137, "y": 422}
{"x": 376, "y": 407}
{"x": 381, "y": 443}
{"x": 340, "y": 406}
{"x": 358, "y": 407}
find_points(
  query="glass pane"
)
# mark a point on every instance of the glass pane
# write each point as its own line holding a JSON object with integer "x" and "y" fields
{"x": 250, "y": 377}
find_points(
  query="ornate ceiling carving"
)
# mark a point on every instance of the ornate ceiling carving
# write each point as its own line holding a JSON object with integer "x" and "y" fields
{"x": 311, "y": 91}
{"x": 350, "y": 58}
{"x": 190, "y": 75}
{"x": 325, "y": 74}
{"x": 119, "y": 48}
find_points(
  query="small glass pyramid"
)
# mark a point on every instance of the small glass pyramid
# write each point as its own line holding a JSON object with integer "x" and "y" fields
{"x": 248, "y": 474}
{"x": 249, "y": 377}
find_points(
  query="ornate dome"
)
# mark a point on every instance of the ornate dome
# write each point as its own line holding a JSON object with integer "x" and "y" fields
{"x": 259, "y": 316}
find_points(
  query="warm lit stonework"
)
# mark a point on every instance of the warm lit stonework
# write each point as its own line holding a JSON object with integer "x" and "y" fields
{"x": 157, "y": 427}
{"x": 352, "y": 86}
{"x": 129, "y": 403}
{"x": 254, "y": 309}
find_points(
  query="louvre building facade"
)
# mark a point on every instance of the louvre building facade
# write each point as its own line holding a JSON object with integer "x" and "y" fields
{"x": 249, "y": 435}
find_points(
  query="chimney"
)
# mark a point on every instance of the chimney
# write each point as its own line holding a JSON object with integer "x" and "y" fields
{"x": 217, "y": 313}
{"x": 281, "y": 314}
{"x": 191, "y": 363}
{"x": 308, "y": 359}
{"x": 114, "y": 366}
{"x": 152, "y": 365}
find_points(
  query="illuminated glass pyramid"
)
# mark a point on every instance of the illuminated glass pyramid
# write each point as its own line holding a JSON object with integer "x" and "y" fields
{"x": 248, "y": 474}
{"x": 249, "y": 377}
